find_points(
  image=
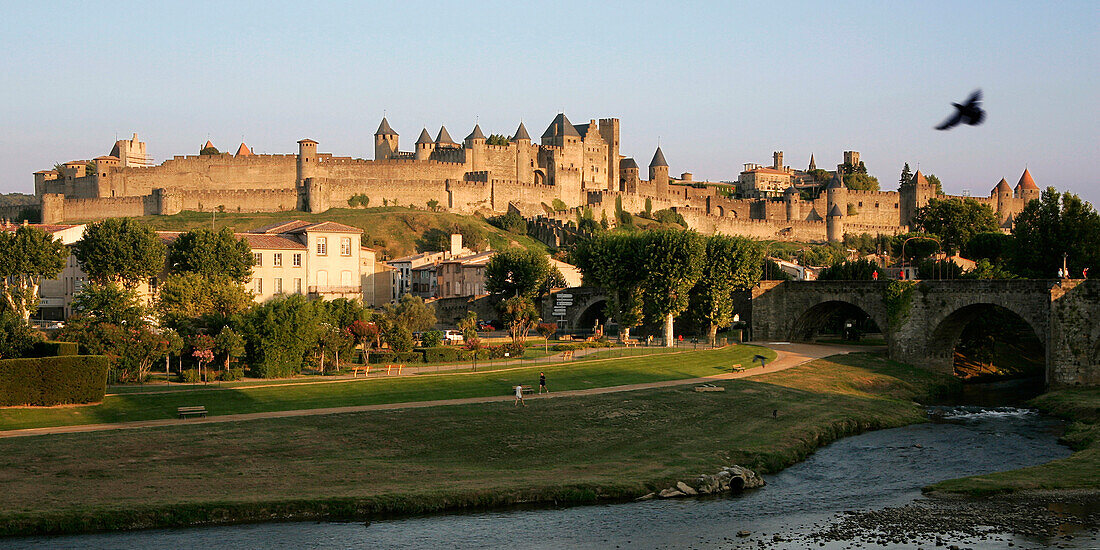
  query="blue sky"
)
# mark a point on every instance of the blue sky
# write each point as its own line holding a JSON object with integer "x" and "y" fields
{"x": 719, "y": 84}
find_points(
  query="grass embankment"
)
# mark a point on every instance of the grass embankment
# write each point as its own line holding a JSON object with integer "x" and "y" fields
{"x": 345, "y": 393}
{"x": 1081, "y": 470}
{"x": 362, "y": 465}
{"x": 392, "y": 230}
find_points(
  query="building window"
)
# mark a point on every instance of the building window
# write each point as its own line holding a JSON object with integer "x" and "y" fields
{"x": 345, "y": 278}
{"x": 297, "y": 286}
{"x": 278, "y": 286}
{"x": 322, "y": 246}
{"x": 277, "y": 260}
{"x": 297, "y": 260}
{"x": 345, "y": 246}
{"x": 257, "y": 259}
{"x": 259, "y": 286}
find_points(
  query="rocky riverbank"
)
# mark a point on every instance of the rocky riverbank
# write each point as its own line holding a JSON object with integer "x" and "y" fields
{"x": 729, "y": 479}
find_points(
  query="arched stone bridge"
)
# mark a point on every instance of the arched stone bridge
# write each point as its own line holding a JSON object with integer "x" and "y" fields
{"x": 923, "y": 324}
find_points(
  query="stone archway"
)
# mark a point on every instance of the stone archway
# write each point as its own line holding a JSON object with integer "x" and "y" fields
{"x": 945, "y": 335}
{"x": 821, "y": 315}
{"x": 721, "y": 211}
{"x": 594, "y": 312}
{"x": 540, "y": 177}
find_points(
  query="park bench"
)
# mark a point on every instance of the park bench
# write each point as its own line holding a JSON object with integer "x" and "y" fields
{"x": 567, "y": 355}
{"x": 184, "y": 412}
{"x": 737, "y": 368}
{"x": 399, "y": 367}
{"x": 365, "y": 369}
{"x": 527, "y": 389}
{"x": 630, "y": 343}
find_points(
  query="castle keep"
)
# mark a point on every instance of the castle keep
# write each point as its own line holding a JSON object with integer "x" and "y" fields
{"x": 580, "y": 165}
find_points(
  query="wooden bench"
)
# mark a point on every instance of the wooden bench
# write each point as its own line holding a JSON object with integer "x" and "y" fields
{"x": 527, "y": 389}
{"x": 184, "y": 412}
{"x": 399, "y": 367}
{"x": 365, "y": 369}
{"x": 737, "y": 368}
{"x": 630, "y": 343}
{"x": 567, "y": 355}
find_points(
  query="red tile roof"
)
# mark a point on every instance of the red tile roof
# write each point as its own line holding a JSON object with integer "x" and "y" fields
{"x": 1026, "y": 182}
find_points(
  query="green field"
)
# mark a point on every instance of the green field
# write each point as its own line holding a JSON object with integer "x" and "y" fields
{"x": 560, "y": 450}
{"x": 1081, "y": 470}
{"x": 390, "y": 230}
{"x": 245, "y": 399}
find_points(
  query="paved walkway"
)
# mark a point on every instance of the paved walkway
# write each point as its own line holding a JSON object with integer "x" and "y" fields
{"x": 788, "y": 355}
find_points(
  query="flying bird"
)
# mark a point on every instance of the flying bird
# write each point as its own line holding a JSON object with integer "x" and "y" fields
{"x": 970, "y": 112}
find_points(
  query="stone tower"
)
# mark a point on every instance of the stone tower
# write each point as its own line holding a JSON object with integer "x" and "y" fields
{"x": 475, "y": 146}
{"x": 913, "y": 196}
{"x": 609, "y": 131}
{"x": 790, "y": 197}
{"x": 777, "y": 160}
{"x": 836, "y": 195}
{"x": 1002, "y": 196}
{"x": 658, "y": 173}
{"x": 628, "y": 175}
{"x": 525, "y": 158}
{"x": 813, "y": 165}
{"x": 1026, "y": 188}
{"x": 852, "y": 158}
{"x": 307, "y": 168}
{"x": 834, "y": 225}
{"x": 424, "y": 145}
{"x": 385, "y": 141}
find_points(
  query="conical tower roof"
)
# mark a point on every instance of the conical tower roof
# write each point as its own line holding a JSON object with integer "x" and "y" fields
{"x": 628, "y": 163}
{"x": 835, "y": 212}
{"x": 476, "y": 133}
{"x": 1026, "y": 182}
{"x": 792, "y": 190}
{"x": 836, "y": 183}
{"x": 384, "y": 129}
{"x": 243, "y": 151}
{"x": 208, "y": 144}
{"x": 813, "y": 165}
{"x": 521, "y": 133}
{"x": 425, "y": 137}
{"x": 443, "y": 138}
{"x": 658, "y": 159}
{"x": 919, "y": 179}
{"x": 560, "y": 127}
{"x": 1002, "y": 187}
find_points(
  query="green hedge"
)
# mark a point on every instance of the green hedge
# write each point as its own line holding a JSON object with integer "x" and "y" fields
{"x": 444, "y": 354}
{"x": 396, "y": 357}
{"x": 46, "y": 381}
{"x": 54, "y": 349}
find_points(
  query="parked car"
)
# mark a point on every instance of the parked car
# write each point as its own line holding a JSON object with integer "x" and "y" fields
{"x": 485, "y": 326}
{"x": 452, "y": 336}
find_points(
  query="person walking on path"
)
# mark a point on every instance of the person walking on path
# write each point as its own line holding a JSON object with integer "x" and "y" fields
{"x": 542, "y": 383}
{"x": 519, "y": 397}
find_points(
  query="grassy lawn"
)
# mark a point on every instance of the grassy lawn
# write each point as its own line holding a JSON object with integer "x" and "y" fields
{"x": 568, "y": 449}
{"x": 244, "y": 399}
{"x": 1081, "y": 470}
{"x": 392, "y": 230}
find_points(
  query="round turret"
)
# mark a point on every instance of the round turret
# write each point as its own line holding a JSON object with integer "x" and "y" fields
{"x": 790, "y": 196}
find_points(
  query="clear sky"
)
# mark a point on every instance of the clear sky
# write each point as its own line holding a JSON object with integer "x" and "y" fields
{"x": 718, "y": 83}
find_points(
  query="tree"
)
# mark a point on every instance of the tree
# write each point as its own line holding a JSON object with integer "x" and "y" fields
{"x": 648, "y": 208}
{"x": 230, "y": 344}
{"x": 202, "y": 349}
{"x": 993, "y": 246}
{"x": 860, "y": 181}
{"x": 131, "y": 349}
{"x": 1054, "y": 227}
{"x": 468, "y": 326}
{"x": 189, "y": 297}
{"x": 554, "y": 280}
{"x": 669, "y": 216}
{"x": 955, "y": 221}
{"x": 673, "y": 264}
{"x": 546, "y": 330}
{"x": 559, "y": 205}
{"x": 279, "y": 334}
{"x": 211, "y": 254}
{"x": 399, "y": 338}
{"x": 853, "y": 270}
{"x": 110, "y": 303}
{"x": 610, "y": 261}
{"x": 26, "y": 256}
{"x": 511, "y": 222}
{"x": 411, "y": 312}
{"x": 906, "y": 176}
{"x": 729, "y": 264}
{"x": 209, "y": 150}
{"x": 432, "y": 338}
{"x": 517, "y": 271}
{"x": 520, "y": 315}
{"x": 934, "y": 181}
{"x": 498, "y": 140}
{"x": 120, "y": 250}
{"x": 16, "y": 336}
{"x": 366, "y": 335}
{"x": 433, "y": 205}
{"x": 910, "y": 246}
{"x": 985, "y": 269}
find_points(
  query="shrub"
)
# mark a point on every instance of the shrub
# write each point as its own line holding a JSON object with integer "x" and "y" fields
{"x": 190, "y": 376}
{"x": 431, "y": 339}
{"x": 47, "y": 381}
{"x": 442, "y": 354}
{"x": 384, "y": 357}
{"x": 17, "y": 338}
{"x": 567, "y": 347}
{"x": 54, "y": 349}
{"x": 231, "y": 375}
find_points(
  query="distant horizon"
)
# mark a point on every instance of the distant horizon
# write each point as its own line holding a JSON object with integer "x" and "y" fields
{"x": 717, "y": 86}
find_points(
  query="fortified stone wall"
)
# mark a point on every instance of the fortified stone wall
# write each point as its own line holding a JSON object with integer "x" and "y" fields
{"x": 202, "y": 172}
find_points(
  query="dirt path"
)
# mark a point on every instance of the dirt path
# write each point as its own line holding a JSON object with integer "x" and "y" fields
{"x": 788, "y": 355}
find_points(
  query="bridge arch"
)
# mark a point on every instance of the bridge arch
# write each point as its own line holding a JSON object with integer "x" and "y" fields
{"x": 813, "y": 319}
{"x": 947, "y": 331}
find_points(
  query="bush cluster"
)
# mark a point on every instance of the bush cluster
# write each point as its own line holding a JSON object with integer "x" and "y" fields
{"x": 47, "y": 381}
{"x": 581, "y": 345}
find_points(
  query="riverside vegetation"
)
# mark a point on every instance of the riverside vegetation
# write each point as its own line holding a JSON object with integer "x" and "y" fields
{"x": 362, "y": 465}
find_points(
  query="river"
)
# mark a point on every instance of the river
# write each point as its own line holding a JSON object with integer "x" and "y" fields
{"x": 870, "y": 471}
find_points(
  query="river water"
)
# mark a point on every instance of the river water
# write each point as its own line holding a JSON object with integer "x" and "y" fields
{"x": 869, "y": 471}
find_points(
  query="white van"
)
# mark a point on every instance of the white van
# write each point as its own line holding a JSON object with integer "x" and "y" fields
{"x": 452, "y": 336}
